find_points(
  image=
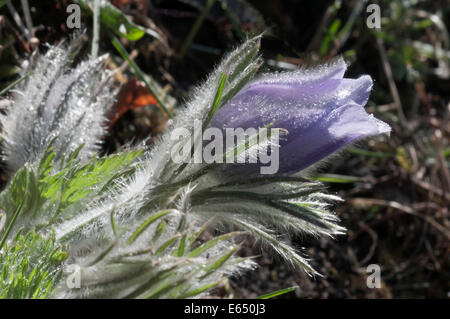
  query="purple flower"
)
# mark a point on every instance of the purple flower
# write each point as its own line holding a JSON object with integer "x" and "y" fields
{"x": 321, "y": 110}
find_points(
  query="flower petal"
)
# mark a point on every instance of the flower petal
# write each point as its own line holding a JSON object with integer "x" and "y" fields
{"x": 334, "y": 70}
{"x": 356, "y": 90}
{"x": 337, "y": 129}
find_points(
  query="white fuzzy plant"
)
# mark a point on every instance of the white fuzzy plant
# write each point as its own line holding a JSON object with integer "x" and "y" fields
{"x": 132, "y": 222}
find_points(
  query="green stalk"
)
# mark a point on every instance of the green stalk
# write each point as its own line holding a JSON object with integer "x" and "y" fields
{"x": 11, "y": 224}
{"x": 217, "y": 99}
{"x": 13, "y": 84}
{"x": 187, "y": 42}
{"x": 116, "y": 43}
{"x": 277, "y": 293}
{"x": 96, "y": 31}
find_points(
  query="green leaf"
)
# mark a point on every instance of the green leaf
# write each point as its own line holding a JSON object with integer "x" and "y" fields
{"x": 199, "y": 290}
{"x": 14, "y": 83}
{"x": 198, "y": 22}
{"x": 159, "y": 231}
{"x": 193, "y": 237}
{"x": 211, "y": 243}
{"x": 30, "y": 267}
{"x": 102, "y": 254}
{"x": 114, "y": 225}
{"x": 244, "y": 17}
{"x": 167, "y": 244}
{"x": 166, "y": 287}
{"x": 330, "y": 37}
{"x": 160, "y": 277}
{"x": 277, "y": 293}
{"x": 116, "y": 43}
{"x": 220, "y": 261}
{"x": 61, "y": 190}
{"x": 217, "y": 99}
{"x": 112, "y": 18}
{"x": 11, "y": 224}
{"x": 182, "y": 246}
{"x": 153, "y": 218}
{"x": 335, "y": 178}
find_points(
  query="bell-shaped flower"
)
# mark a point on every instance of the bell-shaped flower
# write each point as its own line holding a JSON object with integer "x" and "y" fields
{"x": 321, "y": 110}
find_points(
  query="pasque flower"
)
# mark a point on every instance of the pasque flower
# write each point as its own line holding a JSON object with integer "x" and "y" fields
{"x": 130, "y": 220}
{"x": 321, "y": 110}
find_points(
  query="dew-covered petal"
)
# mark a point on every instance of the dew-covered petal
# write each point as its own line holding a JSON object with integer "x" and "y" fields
{"x": 340, "y": 127}
{"x": 321, "y": 116}
{"x": 334, "y": 70}
{"x": 356, "y": 90}
{"x": 288, "y": 106}
{"x": 262, "y": 105}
